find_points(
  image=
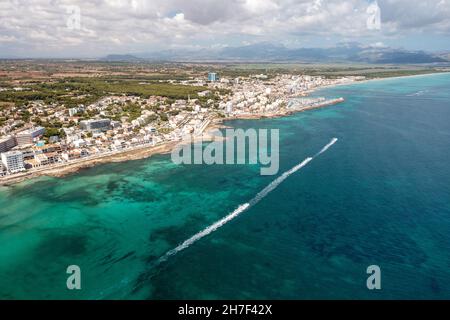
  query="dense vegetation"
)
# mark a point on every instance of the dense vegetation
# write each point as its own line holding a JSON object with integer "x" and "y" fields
{"x": 75, "y": 91}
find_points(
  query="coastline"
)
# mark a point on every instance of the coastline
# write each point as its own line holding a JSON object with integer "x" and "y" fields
{"x": 63, "y": 169}
{"x": 283, "y": 113}
{"x": 381, "y": 79}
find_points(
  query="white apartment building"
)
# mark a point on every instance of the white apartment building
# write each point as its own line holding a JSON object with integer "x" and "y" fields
{"x": 97, "y": 125}
{"x": 28, "y": 136}
{"x": 13, "y": 161}
{"x": 229, "y": 107}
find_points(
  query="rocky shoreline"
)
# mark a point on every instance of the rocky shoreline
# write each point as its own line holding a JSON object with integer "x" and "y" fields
{"x": 68, "y": 168}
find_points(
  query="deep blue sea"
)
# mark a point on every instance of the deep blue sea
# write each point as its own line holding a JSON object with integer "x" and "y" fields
{"x": 379, "y": 196}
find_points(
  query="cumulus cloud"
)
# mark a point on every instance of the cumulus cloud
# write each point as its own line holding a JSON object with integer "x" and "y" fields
{"x": 50, "y": 27}
{"x": 427, "y": 15}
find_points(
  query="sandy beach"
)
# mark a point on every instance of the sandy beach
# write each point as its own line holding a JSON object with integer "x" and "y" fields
{"x": 378, "y": 79}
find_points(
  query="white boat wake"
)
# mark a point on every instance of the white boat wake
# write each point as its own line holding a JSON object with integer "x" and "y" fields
{"x": 243, "y": 207}
{"x": 418, "y": 93}
{"x": 328, "y": 146}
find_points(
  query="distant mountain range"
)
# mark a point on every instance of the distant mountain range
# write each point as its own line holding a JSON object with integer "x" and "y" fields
{"x": 344, "y": 52}
{"x": 120, "y": 57}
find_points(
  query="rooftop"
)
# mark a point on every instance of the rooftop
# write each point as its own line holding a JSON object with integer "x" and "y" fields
{"x": 12, "y": 153}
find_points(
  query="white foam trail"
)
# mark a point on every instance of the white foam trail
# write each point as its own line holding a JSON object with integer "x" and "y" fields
{"x": 243, "y": 207}
{"x": 205, "y": 232}
{"x": 418, "y": 93}
{"x": 333, "y": 141}
{"x": 275, "y": 183}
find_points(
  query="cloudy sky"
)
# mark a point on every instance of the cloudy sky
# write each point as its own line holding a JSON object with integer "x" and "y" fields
{"x": 78, "y": 28}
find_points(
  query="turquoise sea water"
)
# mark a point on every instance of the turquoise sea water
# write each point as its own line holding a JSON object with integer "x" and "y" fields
{"x": 379, "y": 196}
